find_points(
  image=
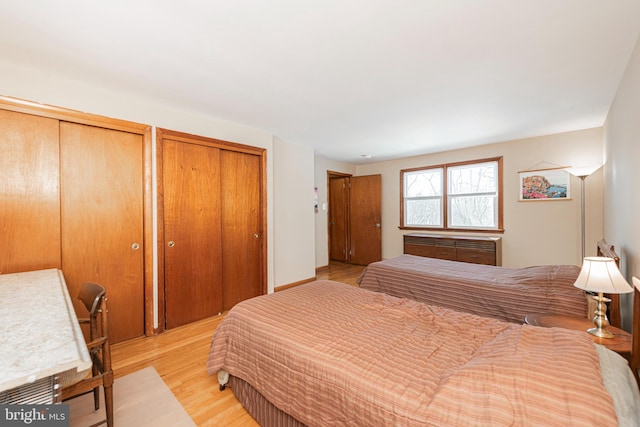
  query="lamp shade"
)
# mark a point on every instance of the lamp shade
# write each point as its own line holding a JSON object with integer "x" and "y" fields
{"x": 601, "y": 274}
{"x": 583, "y": 171}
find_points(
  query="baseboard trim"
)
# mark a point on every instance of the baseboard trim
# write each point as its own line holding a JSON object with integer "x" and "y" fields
{"x": 293, "y": 285}
{"x": 322, "y": 268}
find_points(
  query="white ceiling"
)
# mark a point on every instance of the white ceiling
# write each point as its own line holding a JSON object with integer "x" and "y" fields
{"x": 389, "y": 78}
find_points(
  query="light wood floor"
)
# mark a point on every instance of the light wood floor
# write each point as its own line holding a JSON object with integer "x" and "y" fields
{"x": 179, "y": 355}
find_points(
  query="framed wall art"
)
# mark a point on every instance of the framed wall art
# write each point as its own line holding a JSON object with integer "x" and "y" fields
{"x": 545, "y": 184}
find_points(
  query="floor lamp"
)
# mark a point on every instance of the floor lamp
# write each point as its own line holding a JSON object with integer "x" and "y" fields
{"x": 582, "y": 172}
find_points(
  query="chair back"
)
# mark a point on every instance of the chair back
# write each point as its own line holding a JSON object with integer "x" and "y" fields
{"x": 91, "y": 296}
{"x": 94, "y": 298}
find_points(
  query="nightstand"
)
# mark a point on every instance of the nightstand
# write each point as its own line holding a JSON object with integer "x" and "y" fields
{"x": 620, "y": 343}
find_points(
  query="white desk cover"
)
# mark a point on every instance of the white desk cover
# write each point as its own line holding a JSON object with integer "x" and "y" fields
{"x": 39, "y": 332}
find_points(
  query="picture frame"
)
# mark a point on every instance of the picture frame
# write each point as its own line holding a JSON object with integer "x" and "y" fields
{"x": 545, "y": 184}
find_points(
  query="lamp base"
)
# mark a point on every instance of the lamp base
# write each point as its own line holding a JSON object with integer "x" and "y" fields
{"x": 602, "y": 333}
{"x": 600, "y": 320}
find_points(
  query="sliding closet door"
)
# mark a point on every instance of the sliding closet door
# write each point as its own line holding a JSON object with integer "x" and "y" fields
{"x": 102, "y": 220}
{"x": 242, "y": 232}
{"x": 30, "y": 193}
{"x": 192, "y": 236}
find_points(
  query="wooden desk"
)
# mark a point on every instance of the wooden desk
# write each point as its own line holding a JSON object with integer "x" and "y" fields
{"x": 40, "y": 336}
{"x": 620, "y": 343}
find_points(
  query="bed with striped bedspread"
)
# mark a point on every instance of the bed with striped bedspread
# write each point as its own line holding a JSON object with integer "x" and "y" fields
{"x": 507, "y": 294}
{"x": 328, "y": 353}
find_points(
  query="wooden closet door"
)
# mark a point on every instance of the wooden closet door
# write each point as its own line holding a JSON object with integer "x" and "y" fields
{"x": 192, "y": 236}
{"x": 30, "y": 193}
{"x": 242, "y": 233}
{"x": 102, "y": 220}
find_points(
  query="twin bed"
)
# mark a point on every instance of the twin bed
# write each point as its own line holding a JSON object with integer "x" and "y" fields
{"x": 507, "y": 294}
{"x": 326, "y": 353}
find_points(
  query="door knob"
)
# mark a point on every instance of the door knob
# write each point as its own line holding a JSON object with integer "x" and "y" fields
{"x": 255, "y": 235}
{"x": 377, "y": 225}
{"x": 135, "y": 246}
{"x": 171, "y": 243}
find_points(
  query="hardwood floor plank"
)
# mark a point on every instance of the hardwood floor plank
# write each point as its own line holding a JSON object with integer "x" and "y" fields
{"x": 179, "y": 356}
{"x": 341, "y": 272}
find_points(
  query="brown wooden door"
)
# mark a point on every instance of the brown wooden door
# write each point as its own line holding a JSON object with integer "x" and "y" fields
{"x": 192, "y": 233}
{"x": 102, "y": 220}
{"x": 242, "y": 232}
{"x": 365, "y": 211}
{"x": 338, "y": 218}
{"x": 30, "y": 192}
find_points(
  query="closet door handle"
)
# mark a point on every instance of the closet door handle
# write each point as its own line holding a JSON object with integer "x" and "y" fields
{"x": 255, "y": 235}
{"x": 135, "y": 246}
{"x": 171, "y": 243}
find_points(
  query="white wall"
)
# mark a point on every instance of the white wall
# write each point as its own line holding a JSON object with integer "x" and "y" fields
{"x": 622, "y": 176}
{"x": 536, "y": 232}
{"x": 323, "y": 165}
{"x": 294, "y": 239}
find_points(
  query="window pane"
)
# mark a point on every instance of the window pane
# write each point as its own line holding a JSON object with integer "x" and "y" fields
{"x": 471, "y": 197}
{"x": 423, "y": 212}
{"x": 426, "y": 183}
{"x": 473, "y": 211}
{"x": 473, "y": 178}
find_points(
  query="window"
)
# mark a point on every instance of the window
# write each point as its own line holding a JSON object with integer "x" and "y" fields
{"x": 455, "y": 196}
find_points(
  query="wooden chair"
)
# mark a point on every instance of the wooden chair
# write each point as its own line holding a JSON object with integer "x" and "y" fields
{"x": 94, "y": 299}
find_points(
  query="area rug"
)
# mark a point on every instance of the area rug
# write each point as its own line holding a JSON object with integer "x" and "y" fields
{"x": 140, "y": 399}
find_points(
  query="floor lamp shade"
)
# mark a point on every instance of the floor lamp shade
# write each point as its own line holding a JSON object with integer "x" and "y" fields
{"x": 583, "y": 171}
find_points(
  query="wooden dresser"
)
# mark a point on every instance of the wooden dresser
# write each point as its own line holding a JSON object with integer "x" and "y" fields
{"x": 476, "y": 250}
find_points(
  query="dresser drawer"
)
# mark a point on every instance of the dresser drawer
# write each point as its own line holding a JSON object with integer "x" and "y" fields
{"x": 477, "y": 250}
{"x": 476, "y": 257}
{"x": 420, "y": 250}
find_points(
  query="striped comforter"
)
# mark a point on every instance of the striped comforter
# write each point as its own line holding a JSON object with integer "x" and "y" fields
{"x": 332, "y": 354}
{"x": 507, "y": 294}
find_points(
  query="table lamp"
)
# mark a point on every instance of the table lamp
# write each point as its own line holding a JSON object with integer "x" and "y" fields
{"x": 601, "y": 275}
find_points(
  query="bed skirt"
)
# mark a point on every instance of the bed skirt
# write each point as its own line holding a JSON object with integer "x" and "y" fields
{"x": 263, "y": 411}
